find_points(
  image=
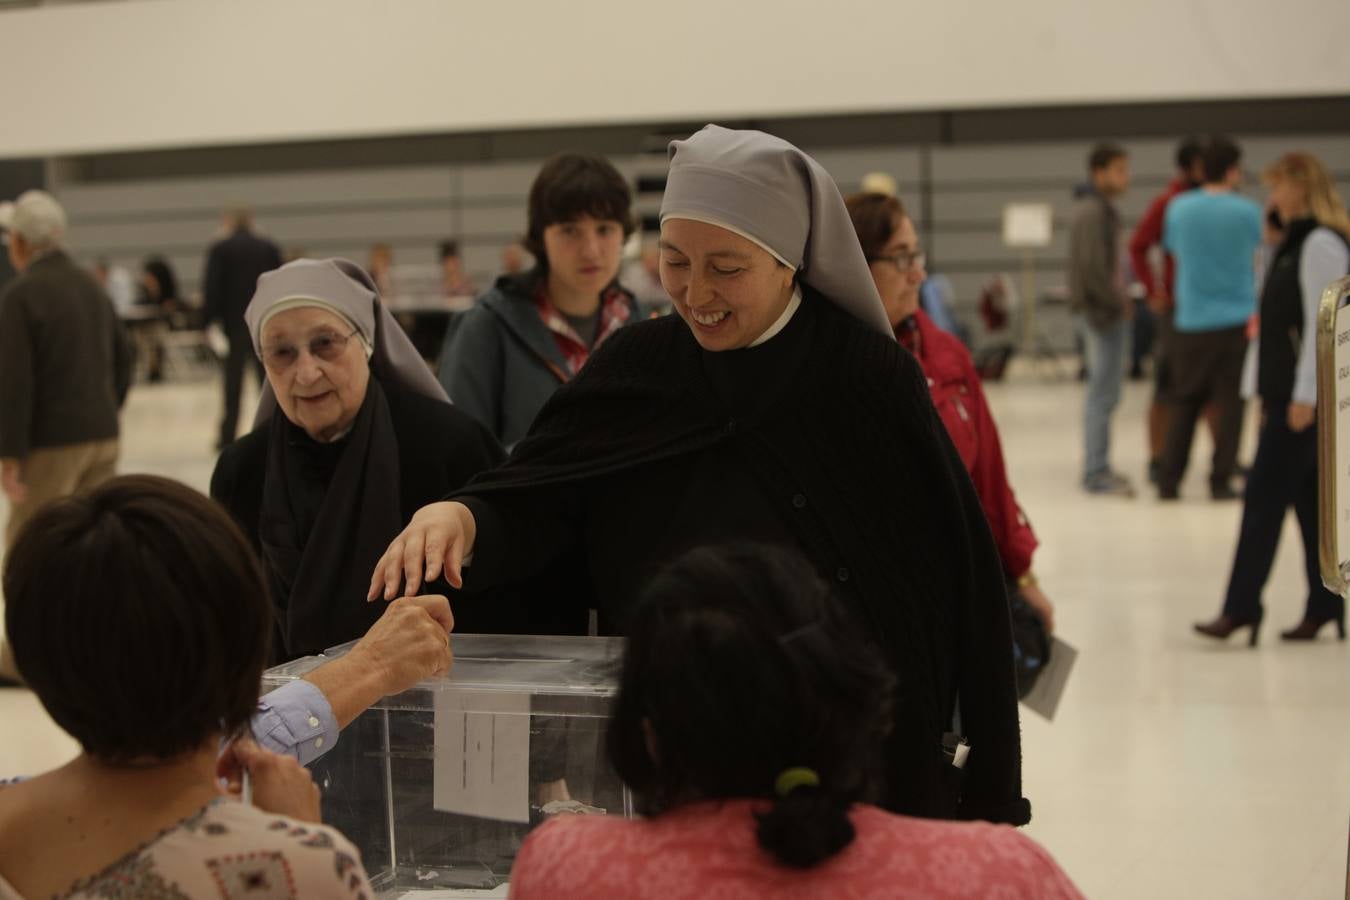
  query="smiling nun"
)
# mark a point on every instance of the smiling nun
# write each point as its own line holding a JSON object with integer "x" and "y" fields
{"x": 777, "y": 408}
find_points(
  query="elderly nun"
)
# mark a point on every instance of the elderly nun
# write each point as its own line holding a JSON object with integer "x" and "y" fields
{"x": 776, "y": 408}
{"x": 353, "y": 434}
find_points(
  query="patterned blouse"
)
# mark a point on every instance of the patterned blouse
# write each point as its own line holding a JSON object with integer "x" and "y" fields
{"x": 708, "y": 850}
{"x": 228, "y": 850}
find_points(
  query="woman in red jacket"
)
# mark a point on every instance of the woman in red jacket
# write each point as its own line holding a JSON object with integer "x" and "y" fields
{"x": 891, "y": 245}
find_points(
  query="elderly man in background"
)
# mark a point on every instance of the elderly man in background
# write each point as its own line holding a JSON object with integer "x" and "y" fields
{"x": 65, "y": 366}
{"x": 6, "y": 269}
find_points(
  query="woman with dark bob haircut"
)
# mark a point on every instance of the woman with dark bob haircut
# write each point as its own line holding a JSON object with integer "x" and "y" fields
{"x": 749, "y": 724}
{"x": 138, "y": 614}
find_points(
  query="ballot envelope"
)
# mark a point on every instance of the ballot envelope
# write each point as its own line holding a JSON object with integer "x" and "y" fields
{"x": 439, "y": 785}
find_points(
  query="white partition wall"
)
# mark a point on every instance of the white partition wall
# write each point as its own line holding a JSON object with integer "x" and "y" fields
{"x": 139, "y": 74}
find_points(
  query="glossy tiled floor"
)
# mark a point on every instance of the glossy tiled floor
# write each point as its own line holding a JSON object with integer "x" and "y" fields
{"x": 1175, "y": 768}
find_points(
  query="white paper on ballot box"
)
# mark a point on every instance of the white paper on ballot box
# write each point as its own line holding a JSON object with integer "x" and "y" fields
{"x": 482, "y": 755}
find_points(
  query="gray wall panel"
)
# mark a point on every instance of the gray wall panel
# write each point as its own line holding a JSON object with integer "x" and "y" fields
{"x": 213, "y": 194}
{"x": 849, "y": 166}
{"x": 375, "y": 225}
{"x": 141, "y": 236}
{"x": 500, "y": 180}
{"x": 327, "y": 211}
{"x": 959, "y": 248}
{"x": 492, "y": 222}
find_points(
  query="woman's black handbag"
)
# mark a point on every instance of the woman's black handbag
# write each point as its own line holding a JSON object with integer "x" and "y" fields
{"x": 1031, "y": 644}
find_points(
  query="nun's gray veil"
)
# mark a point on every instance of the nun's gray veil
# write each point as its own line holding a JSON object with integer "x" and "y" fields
{"x": 764, "y": 189}
{"x": 342, "y": 287}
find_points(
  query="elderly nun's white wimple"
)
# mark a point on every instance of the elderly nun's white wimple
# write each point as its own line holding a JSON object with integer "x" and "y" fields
{"x": 342, "y": 287}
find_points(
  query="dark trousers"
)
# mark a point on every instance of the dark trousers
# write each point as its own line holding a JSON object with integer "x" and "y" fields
{"x": 241, "y": 352}
{"x": 1144, "y": 343}
{"x": 1283, "y": 475}
{"x": 1205, "y": 368}
{"x": 1162, "y": 356}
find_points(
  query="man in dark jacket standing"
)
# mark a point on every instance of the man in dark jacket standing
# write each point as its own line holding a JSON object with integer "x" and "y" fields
{"x": 232, "y": 270}
{"x": 1097, "y": 292}
{"x": 65, "y": 366}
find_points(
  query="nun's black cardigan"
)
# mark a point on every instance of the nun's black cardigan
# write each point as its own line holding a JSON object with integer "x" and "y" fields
{"x": 826, "y": 437}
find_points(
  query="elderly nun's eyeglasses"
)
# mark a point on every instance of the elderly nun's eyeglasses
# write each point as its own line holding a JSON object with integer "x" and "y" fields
{"x": 904, "y": 261}
{"x": 326, "y": 346}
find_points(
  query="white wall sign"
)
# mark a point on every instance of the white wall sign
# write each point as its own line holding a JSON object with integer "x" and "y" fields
{"x": 1027, "y": 224}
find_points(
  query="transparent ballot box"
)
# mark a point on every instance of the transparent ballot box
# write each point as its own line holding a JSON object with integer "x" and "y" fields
{"x": 438, "y": 786}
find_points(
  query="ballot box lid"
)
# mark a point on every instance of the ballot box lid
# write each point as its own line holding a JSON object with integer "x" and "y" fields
{"x": 540, "y": 665}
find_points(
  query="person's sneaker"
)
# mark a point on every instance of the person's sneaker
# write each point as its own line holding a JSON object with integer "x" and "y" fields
{"x": 1155, "y": 471}
{"x": 1224, "y": 492}
{"x": 1168, "y": 494}
{"x": 1109, "y": 484}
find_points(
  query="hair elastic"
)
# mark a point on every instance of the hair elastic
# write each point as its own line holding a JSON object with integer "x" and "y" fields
{"x": 791, "y": 779}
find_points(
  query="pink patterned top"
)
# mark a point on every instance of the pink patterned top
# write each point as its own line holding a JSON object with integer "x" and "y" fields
{"x": 708, "y": 851}
{"x": 230, "y": 851}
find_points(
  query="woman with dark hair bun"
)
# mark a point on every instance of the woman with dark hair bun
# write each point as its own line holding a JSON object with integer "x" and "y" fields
{"x": 749, "y": 724}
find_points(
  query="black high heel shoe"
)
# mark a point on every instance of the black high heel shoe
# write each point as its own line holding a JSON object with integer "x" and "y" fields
{"x": 1308, "y": 628}
{"x": 1225, "y": 625}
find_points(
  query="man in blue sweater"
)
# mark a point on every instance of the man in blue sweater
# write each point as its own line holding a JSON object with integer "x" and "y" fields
{"x": 1213, "y": 234}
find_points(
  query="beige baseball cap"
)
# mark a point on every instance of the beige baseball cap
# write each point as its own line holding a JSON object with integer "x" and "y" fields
{"x": 34, "y": 216}
{"x": 880, "y": 183}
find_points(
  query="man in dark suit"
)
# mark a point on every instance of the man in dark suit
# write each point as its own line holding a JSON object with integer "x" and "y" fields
{"x": 232, "y": 270}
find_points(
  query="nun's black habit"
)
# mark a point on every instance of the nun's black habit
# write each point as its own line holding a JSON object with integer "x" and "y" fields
{"x": 822, "y": 438}
{"x": 320, "y": 514}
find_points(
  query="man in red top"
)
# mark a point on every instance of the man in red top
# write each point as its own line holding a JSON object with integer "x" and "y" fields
{"x": 1147, "y": 235}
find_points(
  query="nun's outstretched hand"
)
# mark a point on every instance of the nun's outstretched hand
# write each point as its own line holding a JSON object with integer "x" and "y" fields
{"x": 436, "y": 541}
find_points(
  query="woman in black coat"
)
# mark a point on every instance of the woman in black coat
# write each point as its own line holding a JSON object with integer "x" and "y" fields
{"x": 1314, "y": 251}
{"x": 776, "y": 408}
{"x": 365, "y": 437}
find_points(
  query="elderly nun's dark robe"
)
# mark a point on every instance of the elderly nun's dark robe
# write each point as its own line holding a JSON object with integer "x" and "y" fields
{"x": 321, "y": 515}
